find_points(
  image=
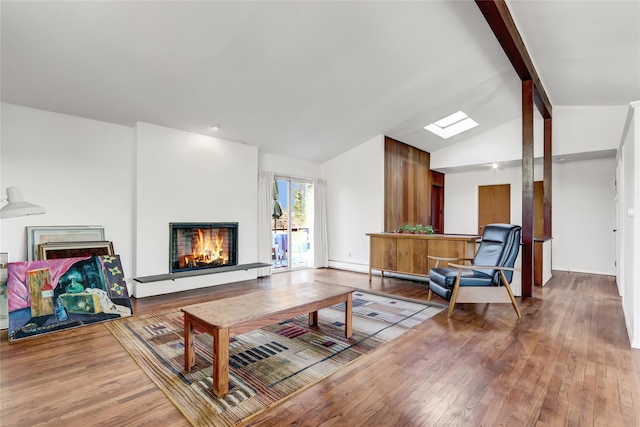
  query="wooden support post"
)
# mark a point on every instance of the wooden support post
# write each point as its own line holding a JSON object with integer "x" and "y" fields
{"x": 501, "y": 22}
{"x": 527, "y": 188}
{"x": 547, "y": 178}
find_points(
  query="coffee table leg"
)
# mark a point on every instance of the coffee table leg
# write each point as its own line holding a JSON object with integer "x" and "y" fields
{"x": 313, "y": 318}
{"x": 347, "y": 315}
{"x": 220, "y": 361}
{"x": 189, "y": 344}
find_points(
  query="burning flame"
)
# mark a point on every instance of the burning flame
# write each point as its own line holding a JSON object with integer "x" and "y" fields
{"x": 219, "y": 245}
{"x": 206, "y": 251}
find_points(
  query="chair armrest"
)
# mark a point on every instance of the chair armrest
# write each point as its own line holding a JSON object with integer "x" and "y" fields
{"x": 438, "y": 259}
{"x": 448, "y": 259}
{"x": 482, "y": 267}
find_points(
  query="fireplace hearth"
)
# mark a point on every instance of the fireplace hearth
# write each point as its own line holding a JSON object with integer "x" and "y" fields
{"x": 202, "y": 245}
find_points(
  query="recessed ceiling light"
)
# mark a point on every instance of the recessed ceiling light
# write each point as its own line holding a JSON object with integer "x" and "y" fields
{"x": 494, "y": 166}
{"x": 451, "y": 125}
{"x": 215, "y": 127}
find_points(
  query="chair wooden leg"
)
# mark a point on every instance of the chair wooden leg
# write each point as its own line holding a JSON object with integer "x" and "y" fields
{"x": 454, "y": 294}
{"x": 511, "y": 297}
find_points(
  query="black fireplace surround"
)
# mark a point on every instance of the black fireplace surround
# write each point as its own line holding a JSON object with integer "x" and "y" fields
{"x": 202, "y": 245}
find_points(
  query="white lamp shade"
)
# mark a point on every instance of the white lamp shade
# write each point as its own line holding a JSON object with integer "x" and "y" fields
{"x": 18, "y": 207}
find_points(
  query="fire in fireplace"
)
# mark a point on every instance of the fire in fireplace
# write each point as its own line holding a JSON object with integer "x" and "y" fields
{"x": 200, "y": 245}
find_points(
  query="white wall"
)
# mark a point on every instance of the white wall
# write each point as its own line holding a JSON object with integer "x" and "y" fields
{"x": 584, "y": 216}
{"x": 186, "y": 177}
{"x": 285, "y": 166}
{"x": 355, "y": 203}
{"x": 499, "y": 144}
{"x": 583, "y": 191}
{"x": 583, "y": 210}
{"x": 632, "y": 259}
{"x": 628, "y": 232}
{"x": 79, "y": 170}
{"x": 84, "y": 172}
{"x": 587, "y": 129}
{"x": 574, "y": 130}
{"x": 461, "y": 197}
{"x": 133, "y": 182}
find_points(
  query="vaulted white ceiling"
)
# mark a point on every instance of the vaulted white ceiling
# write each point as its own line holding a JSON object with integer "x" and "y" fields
{"x": 309, "y": 80}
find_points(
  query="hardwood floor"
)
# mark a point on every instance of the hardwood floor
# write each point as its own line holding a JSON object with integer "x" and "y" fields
{"x": 566, "y": 362}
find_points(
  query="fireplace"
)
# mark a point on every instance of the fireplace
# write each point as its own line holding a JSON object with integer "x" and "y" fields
{"x": 202, "y": 245}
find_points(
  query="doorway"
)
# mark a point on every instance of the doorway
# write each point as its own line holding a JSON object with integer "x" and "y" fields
{"x": 538, "y": 209}
{"x": 292, "y": 230}
{"x": 437, "y": 208}
{"x": 494, "y": 205}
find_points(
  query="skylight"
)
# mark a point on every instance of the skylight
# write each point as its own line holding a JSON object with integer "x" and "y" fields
{"x": 451, "y": 125}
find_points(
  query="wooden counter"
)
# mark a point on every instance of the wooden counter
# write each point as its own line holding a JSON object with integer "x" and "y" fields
{"x": 407, "y": 253}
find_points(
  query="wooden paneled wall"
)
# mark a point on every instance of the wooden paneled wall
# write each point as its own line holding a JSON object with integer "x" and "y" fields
{"x": 407, "y": 185}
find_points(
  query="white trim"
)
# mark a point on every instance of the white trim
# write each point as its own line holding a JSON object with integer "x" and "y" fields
{"x": 629, "y": 281}
{"x": 635, "y": 303}
{"x": 599, "y": 273}
{"x": 349, "y": 266}
{"x": 294, "y": 178}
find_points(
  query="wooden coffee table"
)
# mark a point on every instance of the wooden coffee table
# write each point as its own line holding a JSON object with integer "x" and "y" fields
{"x": 226, "y": 317}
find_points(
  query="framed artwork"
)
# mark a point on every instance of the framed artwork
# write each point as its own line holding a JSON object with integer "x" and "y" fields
{"x": 73, "y": 233}
{"x": 53, "y": 295}
{"x": 55, "y": 250}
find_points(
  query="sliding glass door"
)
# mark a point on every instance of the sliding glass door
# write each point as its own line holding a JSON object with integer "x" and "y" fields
{"x": 292, "y": 223}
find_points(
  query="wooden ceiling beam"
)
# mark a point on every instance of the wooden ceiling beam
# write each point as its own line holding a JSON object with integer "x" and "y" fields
{"x": 501, "y": 22}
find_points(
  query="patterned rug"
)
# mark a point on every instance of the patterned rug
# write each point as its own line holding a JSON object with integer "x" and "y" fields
{"x": 268, "y": 365}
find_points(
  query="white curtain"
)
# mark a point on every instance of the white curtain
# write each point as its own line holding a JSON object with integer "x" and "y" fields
{"x": 321, "y": 247}
{"x": 265, "y": 208}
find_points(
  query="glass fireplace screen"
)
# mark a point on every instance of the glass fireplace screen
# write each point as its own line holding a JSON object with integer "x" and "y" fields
{"x": 196, "y": 246}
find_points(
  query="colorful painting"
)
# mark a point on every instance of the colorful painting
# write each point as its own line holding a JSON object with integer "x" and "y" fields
{"x": 52, "y": 295}
{"x": 4, "y": 303}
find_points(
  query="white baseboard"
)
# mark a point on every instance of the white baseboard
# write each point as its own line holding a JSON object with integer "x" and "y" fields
{"x": 570, "y": 270}
{"x": 349, "y": 266}
{"x": 364, "y": 268}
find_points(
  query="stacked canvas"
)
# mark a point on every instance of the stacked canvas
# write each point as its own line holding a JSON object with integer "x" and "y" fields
{"x": 51, "y": 295}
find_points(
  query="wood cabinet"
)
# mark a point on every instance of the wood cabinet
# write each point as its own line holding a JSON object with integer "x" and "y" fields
{"x": 408, "y": 253}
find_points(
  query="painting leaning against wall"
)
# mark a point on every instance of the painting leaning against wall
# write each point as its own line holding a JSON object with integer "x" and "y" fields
{"x": 52, "y": 295}
{"x": 4, "y": 304}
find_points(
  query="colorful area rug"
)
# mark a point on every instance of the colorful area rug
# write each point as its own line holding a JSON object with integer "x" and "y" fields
{"x": 268, "y": 365}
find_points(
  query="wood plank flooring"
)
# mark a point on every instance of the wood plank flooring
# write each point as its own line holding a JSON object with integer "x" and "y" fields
{"x": 566, "y": 362}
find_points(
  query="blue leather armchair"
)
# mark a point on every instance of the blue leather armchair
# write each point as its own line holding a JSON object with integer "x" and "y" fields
{"x": 488, "y": 277}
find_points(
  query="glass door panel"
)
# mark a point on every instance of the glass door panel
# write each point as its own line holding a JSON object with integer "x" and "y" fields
{"x": 280, "y": 231}
{"x": 301, "y": 223}
{"x": 292, "y": 223}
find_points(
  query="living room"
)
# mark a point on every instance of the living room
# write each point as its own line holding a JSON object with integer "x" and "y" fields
{"x": 134, "y": 179}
